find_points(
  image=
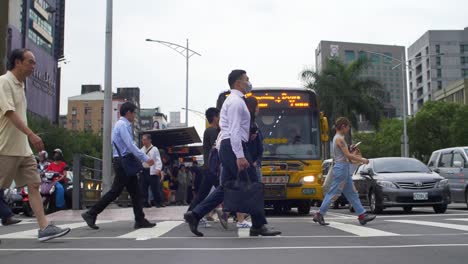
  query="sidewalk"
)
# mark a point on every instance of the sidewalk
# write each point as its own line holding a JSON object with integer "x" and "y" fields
{"x": 115, "y": 213}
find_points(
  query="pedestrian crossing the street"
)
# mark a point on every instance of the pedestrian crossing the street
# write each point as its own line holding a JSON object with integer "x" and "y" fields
{"x": 307, "y": 229}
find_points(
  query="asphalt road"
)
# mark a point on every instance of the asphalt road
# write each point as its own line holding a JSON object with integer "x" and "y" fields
{"x": 395, "y": 237}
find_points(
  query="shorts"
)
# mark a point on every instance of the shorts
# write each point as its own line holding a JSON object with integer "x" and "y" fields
{"x": 22, "y": 170}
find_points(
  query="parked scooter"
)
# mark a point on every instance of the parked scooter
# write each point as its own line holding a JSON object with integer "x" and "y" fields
{"x": 47, "y": 190}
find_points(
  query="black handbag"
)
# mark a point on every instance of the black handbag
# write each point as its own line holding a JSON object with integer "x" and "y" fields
{"x": 130, "y": 164}
{"x": 243, "y": 196}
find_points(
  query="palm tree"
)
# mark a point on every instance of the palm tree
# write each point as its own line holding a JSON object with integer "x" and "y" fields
{"x": 344, "y": 91}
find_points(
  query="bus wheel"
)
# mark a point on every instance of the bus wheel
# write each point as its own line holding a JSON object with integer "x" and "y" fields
{"x": 304, "y": 207}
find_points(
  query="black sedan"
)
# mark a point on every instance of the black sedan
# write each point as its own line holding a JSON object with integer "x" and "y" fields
{"x": 400, "y": 182}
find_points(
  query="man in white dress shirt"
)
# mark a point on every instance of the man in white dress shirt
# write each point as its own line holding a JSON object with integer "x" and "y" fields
{"x": 233, "y": 153}
{"x": 151, "y": 176}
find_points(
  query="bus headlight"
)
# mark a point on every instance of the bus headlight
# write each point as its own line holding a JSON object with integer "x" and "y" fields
{"x": 308, "y": 179}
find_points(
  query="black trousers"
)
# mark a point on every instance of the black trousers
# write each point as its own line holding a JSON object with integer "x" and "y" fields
{"x": 153, "y": 181}
{"x": 121, "y": 181}
{"x": 209, "y": 181}
{"x": 229, "y": 172}
{"x": 5, "y": 210}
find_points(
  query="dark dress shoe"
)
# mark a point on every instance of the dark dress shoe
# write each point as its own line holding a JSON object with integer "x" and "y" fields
{"x": 263, "y": 231}
{"x": 10, "y": 221}
{"x": 318, "y": 218}
{"x": 144, "y": 224}
{"x": 90, "y": 220}
{"x": 192, "y": 221}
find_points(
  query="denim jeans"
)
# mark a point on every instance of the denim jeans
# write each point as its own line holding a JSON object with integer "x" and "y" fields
{"x": 342, "y": 183}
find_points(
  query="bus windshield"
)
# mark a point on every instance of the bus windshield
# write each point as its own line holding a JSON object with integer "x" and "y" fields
{"x": 290, "y": 133}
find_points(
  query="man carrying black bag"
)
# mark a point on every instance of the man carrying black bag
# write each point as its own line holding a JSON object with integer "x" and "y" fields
{"x": 126, "y": 162}
{"x": 236, "y": 161}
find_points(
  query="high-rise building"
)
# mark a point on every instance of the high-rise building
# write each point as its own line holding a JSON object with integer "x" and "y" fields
{"x": 456, "y": 92}
{"x": 174, "y": 118}
{"x": 37, "y": 25}
{"x": 382, "y": 68}
{"x": 437, "y": 58}
{"x": 86, "y": 112}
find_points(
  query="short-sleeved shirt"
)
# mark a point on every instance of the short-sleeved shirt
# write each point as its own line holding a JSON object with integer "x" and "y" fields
{"x": 60, "y": 168}
{"x": 13, "y": 142}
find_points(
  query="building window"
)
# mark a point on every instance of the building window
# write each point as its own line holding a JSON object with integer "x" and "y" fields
{"x": 375, "y": 58}
{"x": 464, "y": 60}
{"x": 362, "y": 54}
{"x": 41, "y": 22}
{"x": 350, "y": 55}
{"x": 74, "y": 111}
{"x": 437, "y": 48}
{"x": 438, "y": 61}
{"x": 464, "y": 72}
{"x": 427, "y": 50}
{"x": 388, "y": 59}
{"x": 439, "y": 73}
{"x": 439, "y": 85}
{"x": 87, "y": 110}
{"x": 464, "y": 48}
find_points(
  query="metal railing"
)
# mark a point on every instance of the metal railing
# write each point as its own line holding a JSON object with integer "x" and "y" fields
{"x": 87, "y": 182}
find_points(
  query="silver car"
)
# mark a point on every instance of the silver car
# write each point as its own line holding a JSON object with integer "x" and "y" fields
{"x": 452, "y": 164}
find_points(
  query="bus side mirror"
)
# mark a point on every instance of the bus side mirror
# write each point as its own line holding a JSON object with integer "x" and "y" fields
{"x": 324, "y": 129}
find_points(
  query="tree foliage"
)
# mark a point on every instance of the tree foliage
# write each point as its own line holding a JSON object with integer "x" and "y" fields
{"x": 436, "y": 126}
{"x": 344, "y": 91}
{"x": 70, "y": 142}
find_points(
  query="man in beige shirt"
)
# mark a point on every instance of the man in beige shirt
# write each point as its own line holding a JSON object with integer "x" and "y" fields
{"x": 16, "y": 157}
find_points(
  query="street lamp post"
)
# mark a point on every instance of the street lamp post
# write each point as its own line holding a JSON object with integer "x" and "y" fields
{"x": 107, "y": 122}
{"x": 187, "y": 53}
{"x": 403, "y": 64}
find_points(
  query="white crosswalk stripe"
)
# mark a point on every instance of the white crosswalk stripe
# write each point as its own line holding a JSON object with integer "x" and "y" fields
{"x": 243, "y": 232}
{"x": 458, "y": 219}
{"x": 32, "y": 233}
{"x": 148, "y": 233}
{"x": 360, "y": 230}
{"x": 434, "y": 224}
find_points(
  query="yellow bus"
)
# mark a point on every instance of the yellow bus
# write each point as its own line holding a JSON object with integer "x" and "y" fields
{"x": 295, "y": 134}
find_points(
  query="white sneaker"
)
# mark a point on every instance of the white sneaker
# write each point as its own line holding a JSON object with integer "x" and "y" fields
{"x": 204, "y": 223}
{"x": 245, "y": 224}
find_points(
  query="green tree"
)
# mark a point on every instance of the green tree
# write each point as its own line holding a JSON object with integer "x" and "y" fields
{"x": 459, "y": 129}
{"x": 70, "y": 142}
{"x": 344, "y": 91}
{"x": 432, "y": 128}
{"x": 385, "y": 142}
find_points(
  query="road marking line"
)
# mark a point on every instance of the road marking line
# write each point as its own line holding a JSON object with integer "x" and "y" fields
{"x": 260, "y": 237}
{"x": 32, "y": 233}
{"x": 243, "y": 232}
{"x": 458, "y": 219}
{"x": 345, "y": 216}
{"x": 434, "y": 224}
{"x": 148, "y": 233}
{"x": 233, "y": 249}
{"x": 360, "y": 230}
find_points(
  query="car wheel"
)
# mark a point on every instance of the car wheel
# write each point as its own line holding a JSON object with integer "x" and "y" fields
{"x": 336, "y": 205}
{"x": 304, "y": 207}
{"x": 407, "y": 209}
{"x": 440, "y": 209}
{"x": 374, "y": 208}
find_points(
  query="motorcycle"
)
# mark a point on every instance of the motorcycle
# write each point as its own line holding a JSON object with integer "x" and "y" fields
{"x": 13, "y": 199}
{"x": 47, "y": 190}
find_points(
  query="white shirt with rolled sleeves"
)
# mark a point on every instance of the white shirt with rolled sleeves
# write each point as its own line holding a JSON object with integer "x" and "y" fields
{"x": 235, "y": 122}
{"x": 154, "y": 155}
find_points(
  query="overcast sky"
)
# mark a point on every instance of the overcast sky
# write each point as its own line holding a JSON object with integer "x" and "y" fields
{"x": 273, "y": 40}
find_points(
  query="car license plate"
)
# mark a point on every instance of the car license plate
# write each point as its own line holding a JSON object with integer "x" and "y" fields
{"x": 275, "y": 179}
{"x": 420, "y": 196}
